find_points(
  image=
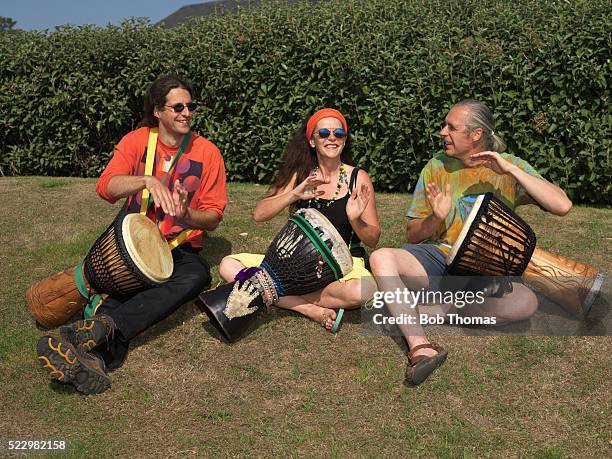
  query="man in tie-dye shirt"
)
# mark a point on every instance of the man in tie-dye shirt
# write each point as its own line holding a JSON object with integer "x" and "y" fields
{"x": 466, "y": 184}
{"x": 472, "y": 164}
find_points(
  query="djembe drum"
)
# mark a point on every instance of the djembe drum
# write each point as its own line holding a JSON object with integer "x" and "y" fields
{"x": 131, "y": 255}
{"x": 305, "y": 256}
{"x": 494, "y": 241}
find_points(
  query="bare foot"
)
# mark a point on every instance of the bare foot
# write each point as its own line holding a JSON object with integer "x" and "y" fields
{"x": 329, "y": 317}
{"x": 323, "y": 316}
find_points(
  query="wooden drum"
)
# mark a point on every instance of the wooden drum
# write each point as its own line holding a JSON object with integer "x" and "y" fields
{"x": 130, "y": 256}
{"x": 494, "y": 241}
{"x": 305, "y": 256}
{"x": 570, "y": 284}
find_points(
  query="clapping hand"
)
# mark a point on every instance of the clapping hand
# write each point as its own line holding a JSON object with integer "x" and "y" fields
{"x": 358, "y": 202}
{"x": 308, "y": 188}
{"x": 179, "y": 198}
{"x": 162, "y": 196}
{"x": 439, "y": 201}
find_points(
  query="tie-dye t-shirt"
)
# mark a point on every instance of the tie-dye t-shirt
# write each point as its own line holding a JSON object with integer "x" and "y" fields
{"x": 466, "y": 183}
{"x": 200, "y": 169}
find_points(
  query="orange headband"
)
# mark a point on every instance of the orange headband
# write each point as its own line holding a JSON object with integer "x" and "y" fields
{"x": 324, "y": 113}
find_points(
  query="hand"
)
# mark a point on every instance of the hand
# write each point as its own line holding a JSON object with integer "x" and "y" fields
{"x": 179, "y": 198}
{"x": 308, "y": 188}
{"x": 162, "y": 197}
{"x": 358, "y": 202}
{"x": 439, "y": 201}
{"x": 493, "y": 161}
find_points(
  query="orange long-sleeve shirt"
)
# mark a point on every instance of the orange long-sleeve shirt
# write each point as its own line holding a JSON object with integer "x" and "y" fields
{"x": 200, "y": 169}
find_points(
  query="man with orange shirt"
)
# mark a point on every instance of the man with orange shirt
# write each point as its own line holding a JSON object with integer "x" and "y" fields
{"x": 187, "y": 186}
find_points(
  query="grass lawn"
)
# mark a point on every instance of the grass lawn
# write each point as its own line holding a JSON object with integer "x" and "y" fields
{"x": 289, "y": 388}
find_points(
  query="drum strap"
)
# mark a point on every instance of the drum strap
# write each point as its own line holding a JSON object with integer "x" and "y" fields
{"x": 151, "y": 147}
{"x": 93, "y": 301}
{"x": 178, "y": 240}
{"x": 146, "y": 198}
{"x": 319, "y": 245}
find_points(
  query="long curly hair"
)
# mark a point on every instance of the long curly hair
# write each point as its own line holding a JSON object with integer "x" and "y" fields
{"x": 300, "y": 159}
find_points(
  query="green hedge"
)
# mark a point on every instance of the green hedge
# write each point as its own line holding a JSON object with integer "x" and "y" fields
{"x": 393, "y": 67}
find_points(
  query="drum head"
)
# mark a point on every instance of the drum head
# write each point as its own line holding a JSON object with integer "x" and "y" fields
{"x": 339, "y": 249}
{"x": 147, "y": 247}
{"x": 464, "y": 230}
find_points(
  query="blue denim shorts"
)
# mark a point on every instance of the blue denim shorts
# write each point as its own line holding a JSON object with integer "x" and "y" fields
{"x": 431, "y": 258}
{"x": 433, "y": 261}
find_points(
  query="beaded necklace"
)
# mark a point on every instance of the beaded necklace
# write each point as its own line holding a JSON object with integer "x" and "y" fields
{"x": 341, "y": 179}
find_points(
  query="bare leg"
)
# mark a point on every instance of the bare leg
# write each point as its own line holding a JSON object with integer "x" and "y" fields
{"x": 518, "y": 305}
{"x": 228, "y": 268}
{"x": 321, "y": 315}
{"x": 387, "y": 266}
{"x": 348, "y": 295}
{"x": 320, "y": 305}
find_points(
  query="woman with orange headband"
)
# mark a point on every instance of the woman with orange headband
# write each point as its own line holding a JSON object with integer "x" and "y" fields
{"x": 318, "y": 171}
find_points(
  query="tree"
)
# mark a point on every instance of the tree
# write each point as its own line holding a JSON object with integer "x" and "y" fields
{"x": 6, "y": 24}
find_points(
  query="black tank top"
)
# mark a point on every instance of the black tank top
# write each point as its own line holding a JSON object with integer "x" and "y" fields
{"x": 335, "y": 212}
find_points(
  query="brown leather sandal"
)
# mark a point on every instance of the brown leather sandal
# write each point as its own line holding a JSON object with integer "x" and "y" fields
{"x": 420, "y": 367}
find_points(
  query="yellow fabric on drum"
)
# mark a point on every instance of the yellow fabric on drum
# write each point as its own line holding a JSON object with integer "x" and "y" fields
{"x": 250, "y": 260}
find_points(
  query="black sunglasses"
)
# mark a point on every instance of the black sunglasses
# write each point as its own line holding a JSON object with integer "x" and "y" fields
{"x": 339, "y": 133}
{"x": 178, "y": 108}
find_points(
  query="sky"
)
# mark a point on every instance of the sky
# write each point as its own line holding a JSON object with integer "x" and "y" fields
{"x": 46, "y": 14}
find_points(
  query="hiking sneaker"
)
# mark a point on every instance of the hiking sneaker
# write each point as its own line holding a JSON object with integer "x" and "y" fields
{"x": 68, "y": 365}
{"x": 89, "y": 333}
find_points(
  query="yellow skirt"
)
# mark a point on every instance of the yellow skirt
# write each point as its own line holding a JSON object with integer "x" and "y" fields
{"x": 250, "y": 260}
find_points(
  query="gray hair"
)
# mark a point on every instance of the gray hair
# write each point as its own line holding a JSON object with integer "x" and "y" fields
{"x": 480, "y": 117}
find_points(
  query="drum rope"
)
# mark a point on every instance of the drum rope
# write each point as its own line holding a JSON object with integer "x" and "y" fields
{"x": 505, "y": 286}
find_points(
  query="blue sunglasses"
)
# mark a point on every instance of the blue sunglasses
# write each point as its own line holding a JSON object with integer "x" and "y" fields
{"x": 339, "y": 133}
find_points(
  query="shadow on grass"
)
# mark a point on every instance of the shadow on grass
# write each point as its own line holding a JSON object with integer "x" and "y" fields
{"x": 189, "y": 311}
{"x": 63, "y": 389}
{"x": 176, "y": 319}
{"x": 215, "y": 248}
{"x": 262, "y": 319}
